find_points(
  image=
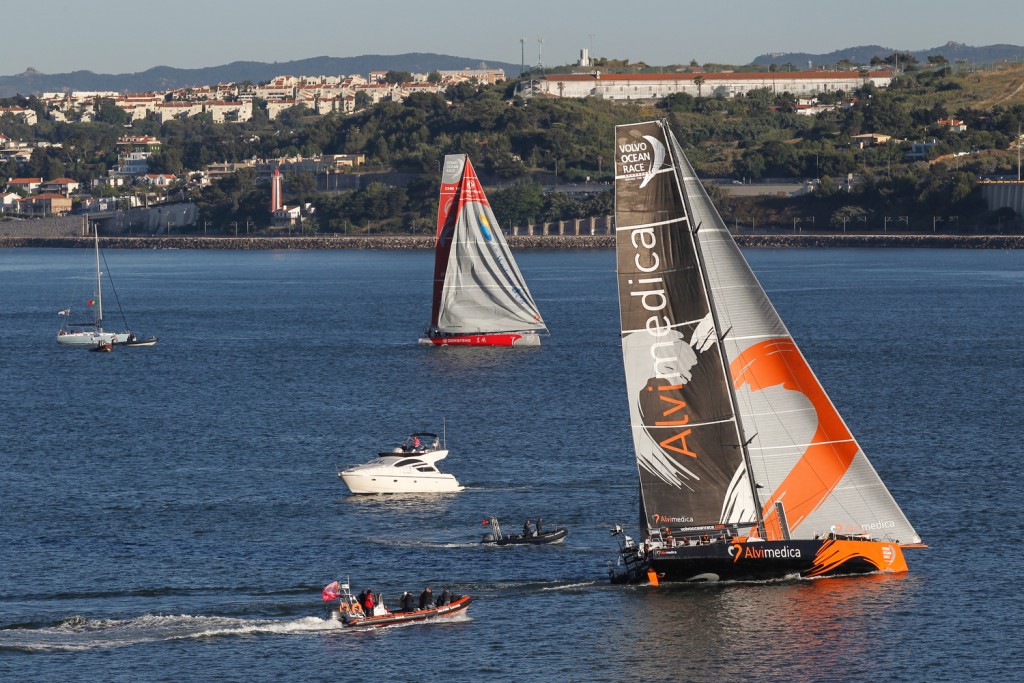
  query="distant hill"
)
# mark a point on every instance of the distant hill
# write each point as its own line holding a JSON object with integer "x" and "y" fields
{"x": 164, "y": 77}
{"x": 863, "y": 54}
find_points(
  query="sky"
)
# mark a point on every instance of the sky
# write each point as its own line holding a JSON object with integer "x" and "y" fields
{"x": 127, "y": 36}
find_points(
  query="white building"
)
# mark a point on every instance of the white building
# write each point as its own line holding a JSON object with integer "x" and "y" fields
{"x": 731, "y": 84}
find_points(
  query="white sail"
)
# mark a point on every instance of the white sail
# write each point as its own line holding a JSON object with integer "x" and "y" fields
{"x": 478, "y": 288}
{"x": 796, "y": 449}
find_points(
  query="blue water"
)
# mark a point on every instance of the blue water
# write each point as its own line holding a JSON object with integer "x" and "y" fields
{"x": 171, "y": 513}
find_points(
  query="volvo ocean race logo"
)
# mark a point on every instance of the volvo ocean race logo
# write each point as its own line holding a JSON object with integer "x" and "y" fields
{"x": 642, "y": 158}
{"x": 453, "y": 164}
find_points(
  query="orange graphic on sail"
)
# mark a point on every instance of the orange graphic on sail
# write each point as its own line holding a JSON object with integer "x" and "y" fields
{"x": 778, "y": 362}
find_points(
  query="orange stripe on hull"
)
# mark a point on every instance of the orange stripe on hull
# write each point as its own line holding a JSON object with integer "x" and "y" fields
{"x": 886, "y": 557}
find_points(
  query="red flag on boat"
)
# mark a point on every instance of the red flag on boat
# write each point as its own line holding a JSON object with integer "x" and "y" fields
{"x": 91, "y": 302}
{"x": 484, "y": 522}
{"x": 332, "y": 591}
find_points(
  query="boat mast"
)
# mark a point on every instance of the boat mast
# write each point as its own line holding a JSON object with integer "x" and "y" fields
{"x": 719, "y": 335}
{"x": 99, "y": 277}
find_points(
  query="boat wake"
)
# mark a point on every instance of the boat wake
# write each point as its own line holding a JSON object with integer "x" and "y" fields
{"x": 403, "y": 543}
{"x": 572, "y": 586}
{"x": 78, "y": 633}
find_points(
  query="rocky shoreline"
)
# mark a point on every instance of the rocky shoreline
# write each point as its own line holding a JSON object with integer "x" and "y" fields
{"x": 515, "y": 241}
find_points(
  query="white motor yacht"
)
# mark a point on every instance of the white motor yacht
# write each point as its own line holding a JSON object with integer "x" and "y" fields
{"x": 409, "y": 468}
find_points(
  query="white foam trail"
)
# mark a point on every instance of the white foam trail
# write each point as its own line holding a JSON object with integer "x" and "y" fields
{"x": 571, "y": 586}
{"x": 78, "y": 633}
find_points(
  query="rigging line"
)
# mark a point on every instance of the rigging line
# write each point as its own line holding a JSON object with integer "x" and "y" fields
{"x": 803, "y": 446}
{"x": 691, "y": 425}
{"x": 117, "y": 299}
{"x": 656, "y": 224}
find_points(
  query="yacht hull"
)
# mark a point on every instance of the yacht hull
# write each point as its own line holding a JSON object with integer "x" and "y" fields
{"x": 743, "y": 560}
{"x": 502, "y": 339}
{"x": 370, "y": 482}
{"x": 544, "y": 538}
{"x": 91, "y": 338}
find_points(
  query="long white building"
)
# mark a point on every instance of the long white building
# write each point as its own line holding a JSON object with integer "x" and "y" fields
{"x": 731, "y": 84}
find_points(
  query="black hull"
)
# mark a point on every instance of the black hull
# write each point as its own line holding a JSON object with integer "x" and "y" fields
{"x": 546, "y": 538}
{"x": 760, "y": 561}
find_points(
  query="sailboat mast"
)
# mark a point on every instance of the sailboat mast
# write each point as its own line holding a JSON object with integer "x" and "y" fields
{"x": 718, "y": 333}
{"x": 99, "y": 277}
{"x": 732, "y": 389}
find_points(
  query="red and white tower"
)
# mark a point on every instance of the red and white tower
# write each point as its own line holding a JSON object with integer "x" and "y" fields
{"x": 275, "y": 191}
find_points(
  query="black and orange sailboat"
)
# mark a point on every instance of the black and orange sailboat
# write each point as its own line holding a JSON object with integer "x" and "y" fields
{"x": 747, "y": 471}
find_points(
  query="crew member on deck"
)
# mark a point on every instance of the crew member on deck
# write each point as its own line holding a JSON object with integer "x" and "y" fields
{"x": 527, "y": 529}
{"x": 370, "y": 603}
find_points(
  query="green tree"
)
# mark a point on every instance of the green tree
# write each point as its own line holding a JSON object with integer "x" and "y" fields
{"x": 518, "y": 205}
{"x": 108, "y": 112}
{"x": 167, "y": 160}
{"x": 848, "y": 214}
{"x": 397, "y": 77}
{"x": 301, "y": 186}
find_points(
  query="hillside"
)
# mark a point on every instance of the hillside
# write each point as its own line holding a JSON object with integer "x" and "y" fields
{"x": 165, "y": 77}
{"x": 952, "y": 51}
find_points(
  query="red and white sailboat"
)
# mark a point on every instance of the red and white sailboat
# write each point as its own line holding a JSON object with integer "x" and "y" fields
{"x": 480, "y": 297}
{"x": 747, "y": 471}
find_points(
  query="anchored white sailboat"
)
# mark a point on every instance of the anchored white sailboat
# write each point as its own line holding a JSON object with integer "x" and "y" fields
{"x": 480, "y": 297}
{"x": 91, "y": 333}
{"x": 746, "y": 469}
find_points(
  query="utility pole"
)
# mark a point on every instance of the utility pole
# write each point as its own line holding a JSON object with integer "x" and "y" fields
{"x": 522, "y": 56}
{"x": 540, "y": 55}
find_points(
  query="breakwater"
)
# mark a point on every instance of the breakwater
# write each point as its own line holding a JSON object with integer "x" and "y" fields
{"x": 515, "y": 241}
